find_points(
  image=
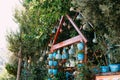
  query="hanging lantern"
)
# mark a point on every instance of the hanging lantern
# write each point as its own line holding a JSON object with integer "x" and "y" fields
{"x": 64, "y": 54}
{"x": 95, "y": 39}
{"x": 80, "y": 46}
{"x": 58, "y": 55}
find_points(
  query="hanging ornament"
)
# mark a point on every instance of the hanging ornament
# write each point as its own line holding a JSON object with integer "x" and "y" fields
{"x": 95, "y": 39}
{"x": 55, "y": 71}
{"x": 50, "y": 71}
{"x": 87, "y": 26}
{"x": 71, "y": 50}
{"x": 72, "y": 62}
{"x": 80, "y": 46}
{"x": 72, "y": 9}
{"x": 64, "y": 24}
{"x": 58, "y": 55}
{"x": 64, "y": 54}
{"x": 55, "y": 63}
{"x": 79, "y": 16}
{"x": 54, "y": 30}
{"x": 80, "y": 56}
{"x": 69, "y": 26}
{"x": 54, "y": 54}
{"x": 50, "y": 63}
{"x": 50, "y": 56}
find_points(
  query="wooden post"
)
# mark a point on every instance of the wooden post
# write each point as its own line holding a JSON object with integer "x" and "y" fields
{"x": 19, "y": 64}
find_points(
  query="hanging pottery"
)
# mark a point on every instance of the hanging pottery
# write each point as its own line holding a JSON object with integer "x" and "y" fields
{"x": 54, "y": 54}
{"x": 55, "y": 71}
{"x": 71, "y": 50}
{"x": 50, "y": 71}
{"x": 50, "y": 56}
{"x": 55, "y": 63}
{"x": 72, "y": 62}
{"x": 80, "y": 46}
{"x": 58, "y": 55}
{"x": 80, "y": 56}
{"x": 67, "y": 64}
{"x": 64, "y": 55}
{"x": 50, "y": 63}
{"x": 95, "y": 39}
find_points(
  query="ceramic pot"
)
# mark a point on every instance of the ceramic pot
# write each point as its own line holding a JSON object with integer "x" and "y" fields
{"x": 50, "y": 56}
{"x": 50, "y": 71}
{"x": 80, "y": 46}
{"x": 80, "y": 56}
{"x": 58, "y": 55}
{"x": 65, "y": 54}
{"x": 50, "y": 63}
{"x": 55, "y": 63}
{"x": 55, "y": 71}
{"x": 104, "y": 69}
{"x": 71, "y": 50}
{"x": 114, "y": 67}
{"x": 54, "y": 54}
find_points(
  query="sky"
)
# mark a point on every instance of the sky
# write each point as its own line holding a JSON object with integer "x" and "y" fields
{"x": 6, "y": 22}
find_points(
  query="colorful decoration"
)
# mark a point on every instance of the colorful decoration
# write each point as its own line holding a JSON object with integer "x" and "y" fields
{"x": 80, "y": 56}
{"x": 58, "y": 55}
{"x": 71, "y": 50}
{"x": 65, "y": 54}
{"x": 80, "y": 46}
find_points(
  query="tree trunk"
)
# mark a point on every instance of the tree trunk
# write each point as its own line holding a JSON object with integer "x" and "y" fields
{"x": 19, "y": 64}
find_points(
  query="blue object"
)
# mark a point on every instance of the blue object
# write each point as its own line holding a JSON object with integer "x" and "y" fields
{"x": 114, "y": 67}
{"x": 50, "y": 71}
{"x": 80, "y": 65}
{"x": 104, "y": 69}
{"x": 80, "y": 56}
{"x": 55, "y": 71}
{"x": 80, "y": 46}
{"x": 50, "y": 63}
{"x": 49, "y": 79}
{"x": 55, "y": 63}
{"x": 54, "y": 54}
{"x": 58, "y": 55}
{"x": 119, "y": 66}
{"x": 50, "y": 56}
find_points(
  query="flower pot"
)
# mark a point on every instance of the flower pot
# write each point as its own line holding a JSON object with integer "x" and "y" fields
{"x": 55, "y": 63}
{"x": 104, "y": 69}
{"x": 50, "y": 63}
{"x": 80, "y": 46}
{"x": 50, "y": 56}
{"x": 80, "y": 56}
{"x": 114, "y": 67}
{"x": 55, "y": 71}
{"x": 50, "y": 71}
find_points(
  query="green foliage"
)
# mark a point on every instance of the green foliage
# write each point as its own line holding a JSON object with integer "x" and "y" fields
{"x": 12, "y": 69}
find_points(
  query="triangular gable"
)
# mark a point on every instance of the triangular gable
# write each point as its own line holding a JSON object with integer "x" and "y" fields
{"x": 79, "y": 38}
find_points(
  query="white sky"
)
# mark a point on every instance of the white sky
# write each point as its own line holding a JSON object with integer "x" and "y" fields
{"x": 6, "y": 23}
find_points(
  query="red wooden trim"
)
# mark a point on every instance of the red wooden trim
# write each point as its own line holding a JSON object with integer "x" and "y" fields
{"x": 58, "y": 30}
{"x": 66, "y": 43}
{"x": 77, "y": 29}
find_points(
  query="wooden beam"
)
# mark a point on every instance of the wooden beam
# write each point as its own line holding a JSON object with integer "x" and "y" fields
{"x": 66, "y": 43}
{"x": 58, "y": 30}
